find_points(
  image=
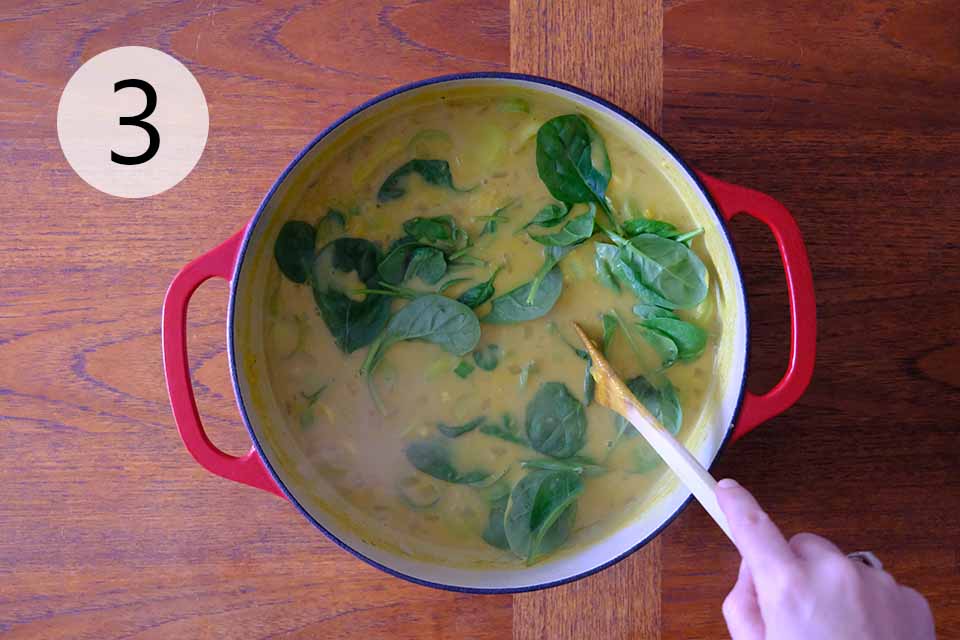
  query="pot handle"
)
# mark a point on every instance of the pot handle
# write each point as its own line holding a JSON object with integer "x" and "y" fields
{"x": 732, "y": 200}
{"x": 216, "y": 263}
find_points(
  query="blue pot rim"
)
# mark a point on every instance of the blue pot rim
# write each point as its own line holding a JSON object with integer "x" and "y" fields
{"x": 241, "y": 255}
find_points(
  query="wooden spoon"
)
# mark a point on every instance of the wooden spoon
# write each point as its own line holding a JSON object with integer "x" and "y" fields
{"x": 612, "y": 393}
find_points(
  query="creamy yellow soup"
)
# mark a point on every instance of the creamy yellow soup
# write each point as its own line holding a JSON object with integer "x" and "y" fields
{"x": 357, "y": 428}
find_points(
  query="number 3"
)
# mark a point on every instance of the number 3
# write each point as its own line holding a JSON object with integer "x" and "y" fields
{"x": 139, "y": 121}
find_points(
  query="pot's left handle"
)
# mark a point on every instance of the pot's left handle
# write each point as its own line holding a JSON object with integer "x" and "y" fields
{"x": 216, "y": 263}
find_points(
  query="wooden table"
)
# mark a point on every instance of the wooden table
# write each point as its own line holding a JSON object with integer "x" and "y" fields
{"x": 846, "y": 112}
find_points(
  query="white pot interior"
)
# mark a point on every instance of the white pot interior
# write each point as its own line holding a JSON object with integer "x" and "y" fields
{"x": 268, "y": 421}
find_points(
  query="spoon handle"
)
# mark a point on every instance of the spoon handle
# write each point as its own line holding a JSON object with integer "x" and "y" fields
{"x": 681, "y": 461}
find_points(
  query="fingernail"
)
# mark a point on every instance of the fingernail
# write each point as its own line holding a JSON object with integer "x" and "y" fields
{"x": 728, "y": 483}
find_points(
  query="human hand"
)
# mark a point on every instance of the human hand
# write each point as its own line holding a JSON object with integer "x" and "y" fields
{"x": 807, "y": 589}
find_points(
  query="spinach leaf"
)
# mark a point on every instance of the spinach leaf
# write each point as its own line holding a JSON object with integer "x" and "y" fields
{"x": 625, "y": 273}
{"x": 391, "y": 290}
{"x": 494, "y": 533}
{"x": 580, "y": 465}
{"x": 312, "y": 398}
{"x": 457, "y": 431}
{"x": 636, "y": 336}
{"x": 604, "y": 261}
{"x": 393, "y": 267}
{"x": 437, "y": 319}
{"x": 687, "y": 238}
{"x": 555, "y": 422}
{"x": 551, "y": 258}
{"x": 577, "y": 230}
{"x": 466, "y": 260}
{"x": 627, "y": 334}
{"x": 488, "y": 357}
{"x": 432, "y": 318}
{"x": 647, "y": 311}
{"x": 645, "y": 457}
{"x": 424, "y": 251}
{"x": 495, "y": 487}
{"x": 439, "y": 231}
{"x": 507, "y": 430}
{"x": 671, "y": 272}
{"x": 492, "y": 221}
{"x": 435, "y": 172}
{"x": 356, "y": 254}
{"x": 589, "y": 384}
{"x": 541, "y": 512}
{"x": 550, "y": 216}
{"x": 566, "y": 148}
{"x": 639, "y": 226}
{"x": 464, "y": 369}
{"x": 514, "y": 307}
{"x": 479, "y": 293}
{"x": 663, "y": 403}
{"x": 353, "y": 324}
{"x": 577, "y": 351}
{"x": 451, "y": 282}
{"x": 665, "y": 347}
{"x": 428, "y": 264}
{"x": 689, "y": 339}
{"x": 498, "y": 431}
{"x": 293, "y": 250}
{"x": 610, "y": 323}
{"x": 433, "y": 458}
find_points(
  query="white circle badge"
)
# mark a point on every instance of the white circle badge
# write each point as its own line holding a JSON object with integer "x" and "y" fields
{"x": 132, "y": 121}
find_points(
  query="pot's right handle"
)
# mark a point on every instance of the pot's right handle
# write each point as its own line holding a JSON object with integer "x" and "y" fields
{"x": 216, "y": 263}
{"x": 732, "y": 200}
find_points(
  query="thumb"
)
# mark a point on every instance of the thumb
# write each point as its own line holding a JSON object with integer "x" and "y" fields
{"x": 764, "y": 549}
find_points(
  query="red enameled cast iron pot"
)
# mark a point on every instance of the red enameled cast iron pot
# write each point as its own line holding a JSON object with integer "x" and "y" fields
{"x": 740, "y": 411}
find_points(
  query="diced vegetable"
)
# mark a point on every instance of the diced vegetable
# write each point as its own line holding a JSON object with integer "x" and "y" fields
{"x": 285, "y": 337}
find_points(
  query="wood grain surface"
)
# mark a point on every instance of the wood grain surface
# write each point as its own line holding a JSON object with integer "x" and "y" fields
{"x": 846, "y": 112}
{"x": 613, "y": 49}
{"x": 108, "y": 528}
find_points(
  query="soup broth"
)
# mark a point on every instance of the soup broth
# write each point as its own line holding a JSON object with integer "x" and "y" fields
{"x": 485, "y": 451}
